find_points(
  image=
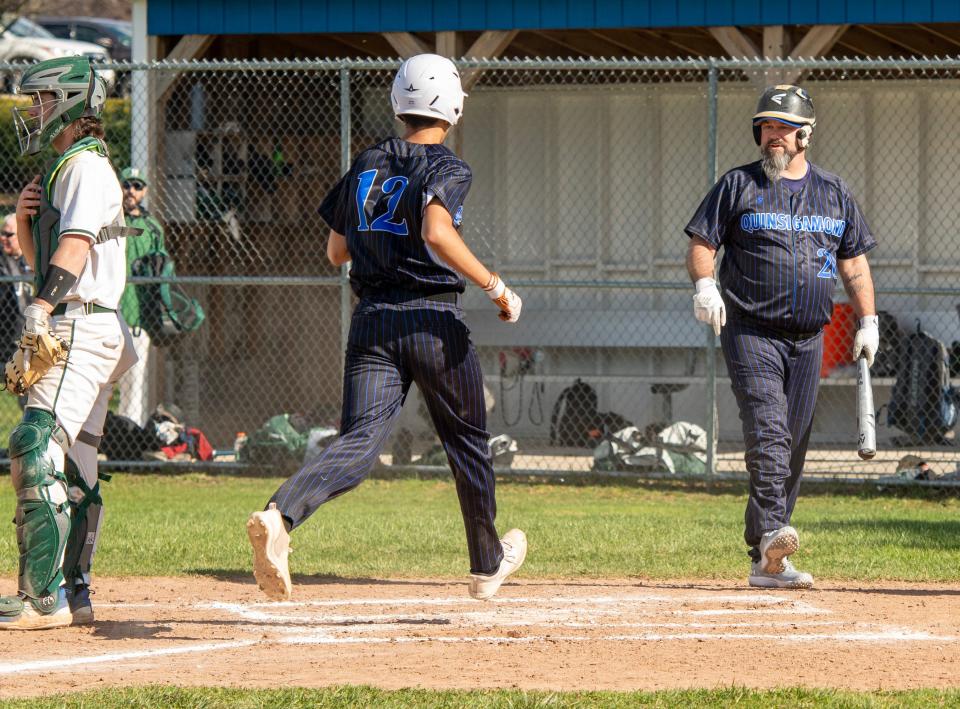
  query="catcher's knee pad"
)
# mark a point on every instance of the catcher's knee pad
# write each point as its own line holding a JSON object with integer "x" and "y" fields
{"x": 86, "y": 512}
{"x": 42, "y": 517}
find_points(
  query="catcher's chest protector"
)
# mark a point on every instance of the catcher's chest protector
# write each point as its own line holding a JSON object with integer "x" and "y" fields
{"x": 46, "y": 225}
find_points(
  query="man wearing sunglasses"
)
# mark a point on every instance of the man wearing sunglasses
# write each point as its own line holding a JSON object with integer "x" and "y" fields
{"x": 134, "y": 385}
{"x": 14, "y": 296}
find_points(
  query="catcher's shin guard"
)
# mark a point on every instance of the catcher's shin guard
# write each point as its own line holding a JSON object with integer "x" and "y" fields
{"x": 86, "y": 512}
{"x": 42, "y": 517}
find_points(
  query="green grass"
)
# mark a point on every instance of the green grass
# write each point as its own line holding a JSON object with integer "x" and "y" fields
{"x": 10, "y": 415}
{"x": 348, "y": 697}
{"x": 194, "y": 524}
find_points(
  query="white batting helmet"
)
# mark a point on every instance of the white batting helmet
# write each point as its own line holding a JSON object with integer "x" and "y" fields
{"x": 428, "y": 85}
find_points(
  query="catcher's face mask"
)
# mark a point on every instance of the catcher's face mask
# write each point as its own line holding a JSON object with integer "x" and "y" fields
{"x": 32, "y": 120}
{"x": 61, "y": 90}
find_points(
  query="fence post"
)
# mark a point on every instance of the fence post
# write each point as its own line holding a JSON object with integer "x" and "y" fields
{"x": 345, "y": 158}
{"x": 711, "y": 351}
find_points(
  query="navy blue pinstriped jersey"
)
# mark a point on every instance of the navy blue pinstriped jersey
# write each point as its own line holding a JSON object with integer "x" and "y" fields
{"x": 781, "y": 246}
{"x": 378, "y": 206}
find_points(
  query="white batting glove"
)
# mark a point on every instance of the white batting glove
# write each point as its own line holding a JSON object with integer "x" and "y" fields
{"x": 509, "y": 302}
{"x": 36, "y": 322}
{"x": 708, "y": 305}
{"x": 867, "y": 340}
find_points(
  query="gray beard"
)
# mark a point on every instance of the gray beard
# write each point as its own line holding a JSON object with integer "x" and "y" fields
{"x": 775, "y": 163}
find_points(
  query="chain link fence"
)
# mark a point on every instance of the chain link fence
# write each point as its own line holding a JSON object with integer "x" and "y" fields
{"x": 585, "y": 173}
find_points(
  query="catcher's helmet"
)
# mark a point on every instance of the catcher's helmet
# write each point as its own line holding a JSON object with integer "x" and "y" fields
{"x": 77, "y": 90}
{"x": 787, "y": 104}
{"x": 428, "y": 85}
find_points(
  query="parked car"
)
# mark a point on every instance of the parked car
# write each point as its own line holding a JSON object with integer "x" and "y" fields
{"x": 116, "y": 36}
{"x": 22, "y": 40}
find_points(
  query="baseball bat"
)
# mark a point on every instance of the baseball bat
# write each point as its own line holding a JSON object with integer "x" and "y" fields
{"x": 866, "y": 417}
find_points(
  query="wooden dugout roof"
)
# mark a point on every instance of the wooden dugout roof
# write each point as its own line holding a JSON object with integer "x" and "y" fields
{"x": 558, "y": 28}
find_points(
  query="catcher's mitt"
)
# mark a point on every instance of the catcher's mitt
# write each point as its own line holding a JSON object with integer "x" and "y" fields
{"x": 35, "y": 355}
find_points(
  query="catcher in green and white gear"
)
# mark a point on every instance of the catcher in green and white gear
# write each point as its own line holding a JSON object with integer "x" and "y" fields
{"x": 77, "y": 251}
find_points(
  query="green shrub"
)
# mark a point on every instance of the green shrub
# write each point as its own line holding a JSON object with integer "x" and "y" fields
{"x": 116, "y": 123}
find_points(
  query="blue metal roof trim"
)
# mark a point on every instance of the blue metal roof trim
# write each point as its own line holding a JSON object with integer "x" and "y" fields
{"x": 177, "y": 17}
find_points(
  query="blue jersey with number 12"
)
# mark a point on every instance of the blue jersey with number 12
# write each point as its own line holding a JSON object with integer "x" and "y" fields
{"x": 379, "y": 206}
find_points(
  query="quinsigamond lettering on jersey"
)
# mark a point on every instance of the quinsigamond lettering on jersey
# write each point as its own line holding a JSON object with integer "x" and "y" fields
{"x": 779, "y": 221}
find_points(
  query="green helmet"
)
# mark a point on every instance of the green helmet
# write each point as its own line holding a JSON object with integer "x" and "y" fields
{"x": 77, "y": 90}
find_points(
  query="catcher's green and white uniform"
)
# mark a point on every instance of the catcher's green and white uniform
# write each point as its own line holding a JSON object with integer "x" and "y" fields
{"x": 53, "y": 451}
{"x": 81, "y": 189}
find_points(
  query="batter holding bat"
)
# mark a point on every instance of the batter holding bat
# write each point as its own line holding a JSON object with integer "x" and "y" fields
{"x": 788, "y": 229}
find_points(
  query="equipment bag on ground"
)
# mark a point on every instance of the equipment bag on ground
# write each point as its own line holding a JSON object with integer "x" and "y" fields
{"x": 574, "y": 416}
{"x": 281, "y": 441}
{"x": 678, "y": 448}
{"x": 922, "y": 402}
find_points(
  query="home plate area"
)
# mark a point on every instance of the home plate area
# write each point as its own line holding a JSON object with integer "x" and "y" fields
{"x": 565, "y": 635}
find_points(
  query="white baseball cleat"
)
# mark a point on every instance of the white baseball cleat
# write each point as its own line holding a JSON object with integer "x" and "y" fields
{"x": 788, "y": 577}
{"x": 271, "y": 546}
{"x": 514, "y": 552}
{"x": 19, "y": 613}
{"x": 776, "y": 546}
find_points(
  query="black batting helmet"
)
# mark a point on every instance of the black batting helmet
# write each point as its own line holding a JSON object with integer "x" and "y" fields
{"x": 788, "y": 104}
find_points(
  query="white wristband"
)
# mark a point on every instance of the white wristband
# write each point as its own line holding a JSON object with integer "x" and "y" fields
{"x": 705, "y": 283}
{"x": 496, "y": 290}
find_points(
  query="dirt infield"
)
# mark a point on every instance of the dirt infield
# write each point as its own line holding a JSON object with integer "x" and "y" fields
{"x": 563, "y": 635}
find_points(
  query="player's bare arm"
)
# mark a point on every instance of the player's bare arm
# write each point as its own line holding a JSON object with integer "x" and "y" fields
{"x": 858, "y": 283}
{"x": 700, "y": 259}
{"x": 443, "y": 238}
{"x": 708, "y": 304}
{"x": 337, "y": 252}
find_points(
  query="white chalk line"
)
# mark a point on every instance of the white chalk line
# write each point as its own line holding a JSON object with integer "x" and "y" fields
{"x": 764, "y": 598}
{"x": 497, "y": 613}
{"x": 493, "y": 614}
{"x": 385, "y": 627}
{"x": 67, "y": 662}
{"x": 889, "y": 636}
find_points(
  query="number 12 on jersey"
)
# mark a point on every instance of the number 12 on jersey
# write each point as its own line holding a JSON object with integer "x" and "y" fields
{"x": 392, "y": 186}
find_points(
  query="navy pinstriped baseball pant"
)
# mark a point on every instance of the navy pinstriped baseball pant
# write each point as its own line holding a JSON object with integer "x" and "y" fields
{"x": 390, "y": 346}
{"x": 775, "y": 380}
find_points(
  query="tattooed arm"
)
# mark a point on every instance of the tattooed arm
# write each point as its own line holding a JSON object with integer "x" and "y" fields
{"x": 858, "y": 283}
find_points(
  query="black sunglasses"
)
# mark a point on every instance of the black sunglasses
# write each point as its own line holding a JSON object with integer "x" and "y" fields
{"x": 7, "y": 234}
{"x": 135, "y": 185}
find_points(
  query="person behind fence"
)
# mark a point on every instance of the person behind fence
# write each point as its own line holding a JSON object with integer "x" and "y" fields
{"x": 787, "y": 228}
{"x": 134, "y": 385}
{"x": 15, "y": 296}
{"x": 77, "y": 252}
{"x": 396, "y": 215}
